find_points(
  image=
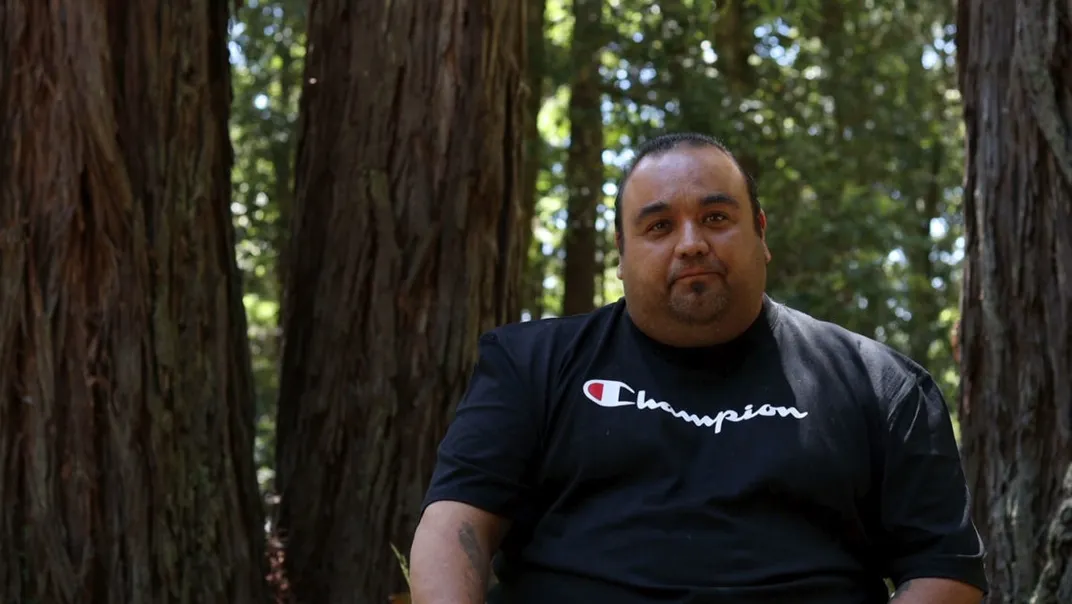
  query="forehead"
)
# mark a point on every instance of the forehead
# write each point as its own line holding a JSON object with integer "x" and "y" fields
{"x": 681, "y": 173}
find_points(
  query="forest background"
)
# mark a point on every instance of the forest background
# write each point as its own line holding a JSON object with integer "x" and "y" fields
{"x": 402, "y": 179}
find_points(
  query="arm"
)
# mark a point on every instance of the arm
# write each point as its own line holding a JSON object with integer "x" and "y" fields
{"x": 482, "y": 476}
{"x": 932, "y": 550}
{"x": 932, "y": 591}
{"x": 451, "y": 553}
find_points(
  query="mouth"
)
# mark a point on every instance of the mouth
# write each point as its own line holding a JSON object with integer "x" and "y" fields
{"x": 690, "y": 274}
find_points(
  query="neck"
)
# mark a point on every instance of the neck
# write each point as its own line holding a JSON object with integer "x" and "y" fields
{"x": 726, "y": 328}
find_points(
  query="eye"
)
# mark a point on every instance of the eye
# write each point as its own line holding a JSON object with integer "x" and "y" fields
{"x": 715, "y": 217}
{"x": 659, "y": 225}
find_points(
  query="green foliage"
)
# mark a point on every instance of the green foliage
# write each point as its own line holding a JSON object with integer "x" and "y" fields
{"x": 267, "y": 47}
{"x": 401, "y": 563}
{"x": 846, "y": 112}
{"x": 849, "y": 119}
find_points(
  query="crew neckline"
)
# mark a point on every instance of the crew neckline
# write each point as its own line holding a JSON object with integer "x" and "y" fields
{"x": 716, "y": 355}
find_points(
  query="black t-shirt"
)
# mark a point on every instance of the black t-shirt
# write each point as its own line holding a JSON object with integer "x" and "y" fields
{"x": 799, "y": 463}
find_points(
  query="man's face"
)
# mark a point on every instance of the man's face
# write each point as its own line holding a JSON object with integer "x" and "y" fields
{"x": 689, "y": 246}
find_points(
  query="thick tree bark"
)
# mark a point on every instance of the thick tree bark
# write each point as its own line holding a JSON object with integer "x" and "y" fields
{"x": 1016, "y": 405}
{"x": 405, "y": 246}
{"x": 1055, "y": 582}
{"x": 126, "y": 453}
{"x": 584, "y": 165}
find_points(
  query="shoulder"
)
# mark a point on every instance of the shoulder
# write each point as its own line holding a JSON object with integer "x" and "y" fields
{"x": 544, "y": 341}
{"x": 889, "y": 373}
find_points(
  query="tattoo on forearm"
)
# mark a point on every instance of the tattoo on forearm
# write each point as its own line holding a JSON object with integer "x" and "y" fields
{"x": 471, "y": 546}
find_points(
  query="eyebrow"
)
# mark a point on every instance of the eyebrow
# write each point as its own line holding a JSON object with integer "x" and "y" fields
{"x": 656, "y": 207}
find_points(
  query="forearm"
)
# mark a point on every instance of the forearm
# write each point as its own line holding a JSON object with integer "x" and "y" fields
{"x": 449, "y": 567}
{"x": 936, "y": 591}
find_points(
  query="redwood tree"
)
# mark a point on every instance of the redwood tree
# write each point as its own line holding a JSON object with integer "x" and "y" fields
{"x": 1016, "y": 405}
{"x": 126, "y": 415}
{"x": 584, "y": 165}
{"x": 536, "y": 87}
{"x": 405, "y": 245}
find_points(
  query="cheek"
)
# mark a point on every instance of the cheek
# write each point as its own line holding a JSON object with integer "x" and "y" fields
{"x": 736, "y": 248}
{"x": 641, "y": 267}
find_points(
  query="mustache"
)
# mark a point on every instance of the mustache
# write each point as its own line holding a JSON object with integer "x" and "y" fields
{"x": 713, "y": 266}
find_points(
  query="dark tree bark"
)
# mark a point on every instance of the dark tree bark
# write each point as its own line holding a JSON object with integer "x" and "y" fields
{"x": 405, "y": 245}
{"x": 1016, "y": 404}
{"x": 1055, "y": 581}
{"x": 584, "y": 164}
{"x": 126, "y": 453}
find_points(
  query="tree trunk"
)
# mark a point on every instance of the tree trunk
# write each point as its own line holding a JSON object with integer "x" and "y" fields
{"x": 730, "y": 30}
{"x": 584, "y": 165}
{"x": 1055, "y": 582}
{"x": 926, "y": 305}
{"x": 535, "y": 77}
{"x": 1016, "y": 404}
{"x": 405, "y": 245}
{"x": 126, "y": 451}
{"x": 282, "y": 153}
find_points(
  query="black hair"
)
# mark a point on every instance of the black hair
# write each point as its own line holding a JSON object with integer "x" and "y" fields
{"x": 667, "y": 142}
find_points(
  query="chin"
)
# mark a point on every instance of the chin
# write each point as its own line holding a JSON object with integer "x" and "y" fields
{"x": 703, "y": 313}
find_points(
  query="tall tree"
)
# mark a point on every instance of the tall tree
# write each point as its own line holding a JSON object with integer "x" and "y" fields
{"x": 1016, "y": 405}
{"x": 584, "y": 166}
{"x": 405, "y": 244}
{"x": 126, "y": 421}
{"x": 536, "y": 92}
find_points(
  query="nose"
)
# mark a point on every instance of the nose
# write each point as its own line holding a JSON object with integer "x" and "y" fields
{"x": 691, "y": 242}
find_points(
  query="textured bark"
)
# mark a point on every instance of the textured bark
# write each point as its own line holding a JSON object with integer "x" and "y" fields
{"x": 1016, "y": 404}
{"x": 405, "y": 246}
{"x": 126, "y": 453}
{"x": 1055, "y": 582}
{"x": 584, "y": 164}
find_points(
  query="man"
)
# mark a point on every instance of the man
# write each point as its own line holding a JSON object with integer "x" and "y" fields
{"x": 696, "y": 442}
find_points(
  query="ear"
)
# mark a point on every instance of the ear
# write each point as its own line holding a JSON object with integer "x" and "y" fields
{"x": 618, "y": 244}
{"x": 763, "y": 235}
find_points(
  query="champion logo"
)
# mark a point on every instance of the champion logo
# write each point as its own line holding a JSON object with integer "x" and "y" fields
{"x": 608, "y": 393}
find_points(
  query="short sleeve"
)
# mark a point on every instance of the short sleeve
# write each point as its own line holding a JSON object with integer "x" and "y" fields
{"x": 485, "y": 457}
{"x": 926, "y": 524}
